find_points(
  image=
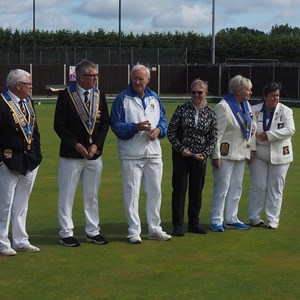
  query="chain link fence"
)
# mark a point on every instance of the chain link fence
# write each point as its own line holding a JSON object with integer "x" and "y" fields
{"x": 102, "y": 56}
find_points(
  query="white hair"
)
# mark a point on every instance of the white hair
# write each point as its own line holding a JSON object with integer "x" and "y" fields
{"x": 15, "y": 76}
{"x": 239, "y": 83}
{"x": 140, "y": 67}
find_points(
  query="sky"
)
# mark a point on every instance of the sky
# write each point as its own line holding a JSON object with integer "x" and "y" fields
{"x": 145, "y": 16}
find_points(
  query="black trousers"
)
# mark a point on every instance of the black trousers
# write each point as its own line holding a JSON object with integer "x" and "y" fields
{"x": 187, "y": 172}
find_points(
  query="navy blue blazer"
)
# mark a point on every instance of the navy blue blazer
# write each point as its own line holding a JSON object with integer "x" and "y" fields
{"x": 70, "y": 129}
{"x": 14, "y": 150}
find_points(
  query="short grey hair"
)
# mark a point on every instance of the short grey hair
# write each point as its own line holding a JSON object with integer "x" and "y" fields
{"x": 140, "y": 67}
{"x": 83, "y": 67}
{"x": 15, "y": 76}
{"x": 238, "y": 84}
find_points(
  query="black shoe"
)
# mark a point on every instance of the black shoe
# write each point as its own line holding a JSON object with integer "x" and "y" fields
{"x": 197, "y": 229}
{"x": 69, "y": 242}
{"x": 97, "y": 239}
{"x": 178, "y": 230}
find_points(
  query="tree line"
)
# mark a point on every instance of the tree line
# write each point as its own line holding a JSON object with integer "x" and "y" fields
{"x": 282, "y": 42}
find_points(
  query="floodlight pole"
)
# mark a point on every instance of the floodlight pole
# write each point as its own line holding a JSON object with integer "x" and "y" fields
{"x": 120, "y": 32}
{"x": 33, "y": 29}
{"x": 213, "y": 47}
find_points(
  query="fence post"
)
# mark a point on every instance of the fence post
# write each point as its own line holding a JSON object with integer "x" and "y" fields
{"x": 220, "y": 80}
{"x": 30, "y": 71}
{"x": 187, "y": 79}
{"x": 65, "y": 74}
{"x": 21, "y": 54}
{"x": 128, "y": 72}
{"x": 298, "y": 82}
{"x": 74, "y": 62}
{"x": 158, "y": 80}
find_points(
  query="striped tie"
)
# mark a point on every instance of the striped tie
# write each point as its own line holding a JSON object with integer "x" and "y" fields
{"x": 86, "y": 99}
{"x": 23, "y": 109}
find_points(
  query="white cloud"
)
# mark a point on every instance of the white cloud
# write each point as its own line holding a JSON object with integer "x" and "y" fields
{"x": 151, "y": 15}
{"x": 184, "y": 18}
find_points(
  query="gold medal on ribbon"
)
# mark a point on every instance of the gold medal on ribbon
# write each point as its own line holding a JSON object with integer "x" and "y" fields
{"x": 25, "y": 124}
{"x": 7, "y": 153}
{"x": 88, "y": 118}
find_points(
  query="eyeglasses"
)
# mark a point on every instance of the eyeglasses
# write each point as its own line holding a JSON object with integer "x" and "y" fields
{"x": 197, "y": 92}
{"x": 26, "y": 83}
{"x": 91, "y": 75}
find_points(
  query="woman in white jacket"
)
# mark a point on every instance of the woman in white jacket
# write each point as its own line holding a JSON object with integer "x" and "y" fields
{"x": 273, "y": 155}
{"x": 235, "y": 128}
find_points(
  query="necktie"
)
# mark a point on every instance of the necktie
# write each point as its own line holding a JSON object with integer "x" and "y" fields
{"x": 23, "y": 109}
{"x": 86, "y": 99}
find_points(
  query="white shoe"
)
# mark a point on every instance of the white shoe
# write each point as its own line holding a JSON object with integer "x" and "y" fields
{"x": 135, "y": 239}
{"x": 272, "y": 225}
{"x": 257, "y": 222}
{"x": 29, "y": 248}
{"x": 159, "y": 236}
{"x": 8, "y": 251}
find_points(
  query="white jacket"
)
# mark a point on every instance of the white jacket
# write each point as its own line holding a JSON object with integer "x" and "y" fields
{"x": 128, "y": 110}
{"x": 280, "y": 133}
{"x": 231, "y": 143}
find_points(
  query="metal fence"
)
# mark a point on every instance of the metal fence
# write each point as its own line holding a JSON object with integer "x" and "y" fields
{"x": 103, "y": 56}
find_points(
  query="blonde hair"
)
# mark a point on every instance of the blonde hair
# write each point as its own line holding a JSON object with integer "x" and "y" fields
{"x": 198, "y": 81}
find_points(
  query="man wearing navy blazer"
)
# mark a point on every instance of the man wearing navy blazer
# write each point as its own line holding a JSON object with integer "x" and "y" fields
{"x": 81, "y": 121}
{"x": 20, "y": 157}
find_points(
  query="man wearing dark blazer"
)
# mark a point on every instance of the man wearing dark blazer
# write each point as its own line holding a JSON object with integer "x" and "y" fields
{"x": 20, "y": 157}
{"x": 81, "y": 121}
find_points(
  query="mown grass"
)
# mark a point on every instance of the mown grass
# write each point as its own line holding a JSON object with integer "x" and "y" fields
{"x": 253, "y": 264}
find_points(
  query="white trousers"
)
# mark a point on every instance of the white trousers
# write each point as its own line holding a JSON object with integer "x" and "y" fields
{"x": 15, "y": 190}
{"x": 89, "y": 172}
{"x": 228, "y": 181}
{"x": 148, "y": 171}
{"x": 266, "y": 187}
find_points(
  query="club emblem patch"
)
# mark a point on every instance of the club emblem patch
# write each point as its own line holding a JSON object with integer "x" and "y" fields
{"x": 286, "y": 150}
{"x": 224, "y": 149}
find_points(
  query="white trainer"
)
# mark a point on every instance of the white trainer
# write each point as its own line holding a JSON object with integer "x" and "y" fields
{"x": 257, "y": 222}
{"x": 273, "y": 225}
{"x": 7, "y": 251}
{"x": 159, "y": 236}
{"x": 28, "y": 248}
{"x": 135, "y": 239}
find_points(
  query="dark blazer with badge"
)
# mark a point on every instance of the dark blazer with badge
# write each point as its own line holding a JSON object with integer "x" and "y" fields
{"x": 280, "y": 133}
{"x": 69, "y": 126}
{"x": 14, "y": 150}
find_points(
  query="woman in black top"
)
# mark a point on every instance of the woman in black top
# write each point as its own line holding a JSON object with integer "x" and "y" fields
{"x": 192, "y": 133}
